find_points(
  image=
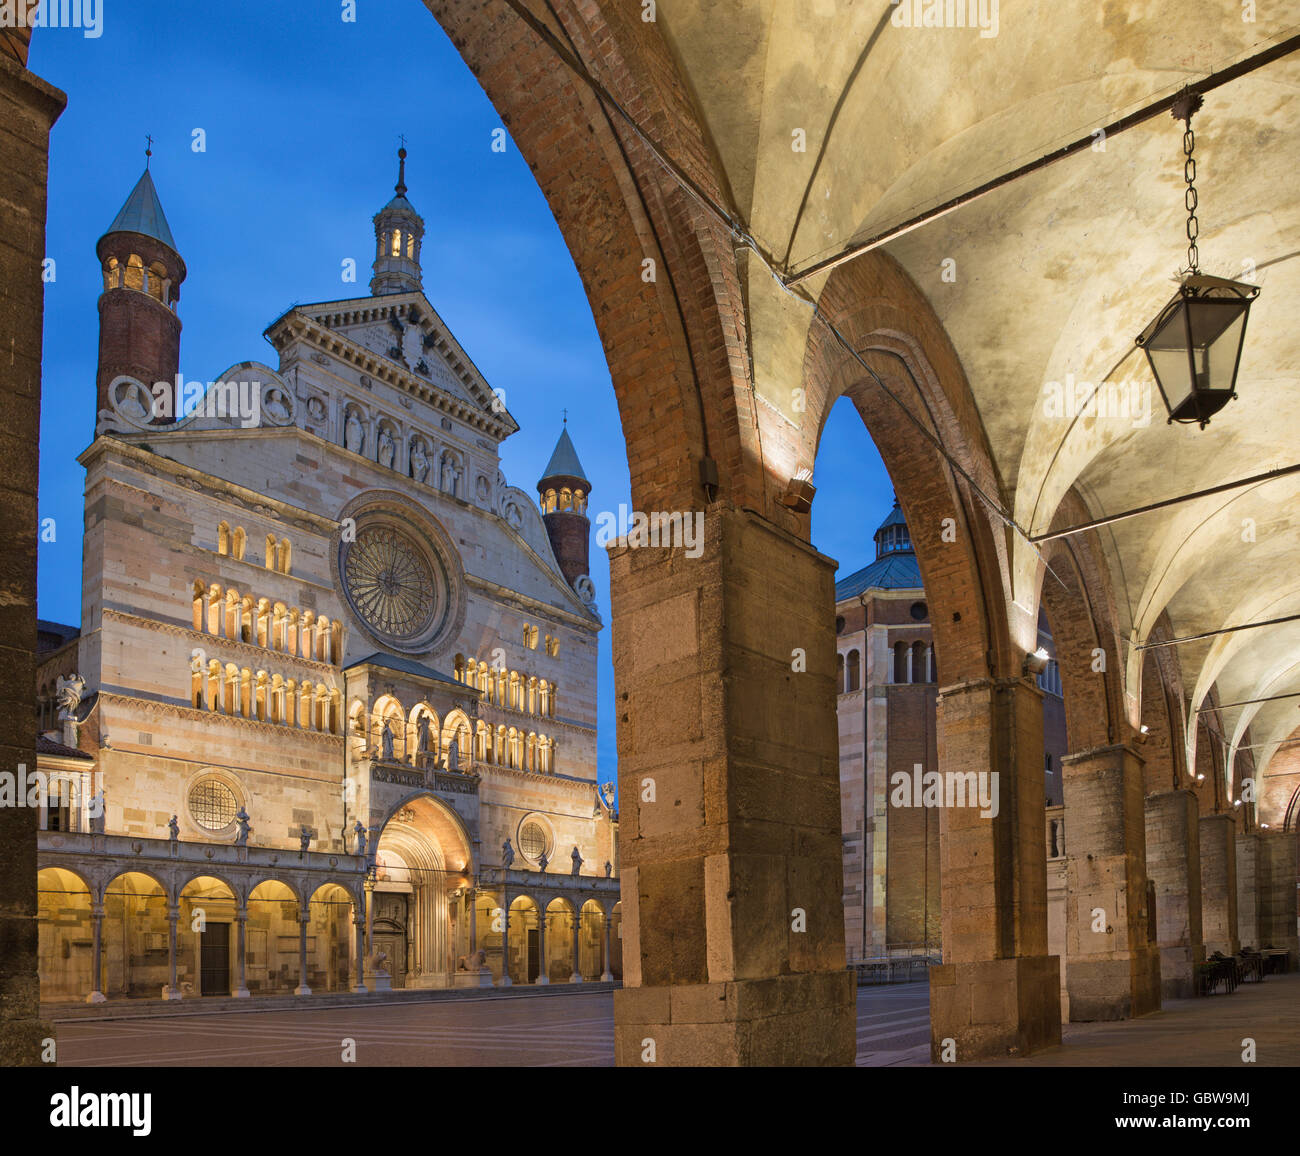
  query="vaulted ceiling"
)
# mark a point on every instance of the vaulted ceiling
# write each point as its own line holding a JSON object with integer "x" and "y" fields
{"x": 1050, "y": 277}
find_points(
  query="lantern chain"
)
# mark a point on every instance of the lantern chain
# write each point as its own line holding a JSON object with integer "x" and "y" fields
{"x": 1190, "y": 198}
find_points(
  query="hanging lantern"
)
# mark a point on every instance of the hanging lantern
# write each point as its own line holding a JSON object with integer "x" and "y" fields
{"x": 1194, "y": 344}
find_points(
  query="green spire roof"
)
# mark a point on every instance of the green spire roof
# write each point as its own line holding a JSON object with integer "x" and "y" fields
{"x": 143, "y": 213}
{"x": 564, "y": 461}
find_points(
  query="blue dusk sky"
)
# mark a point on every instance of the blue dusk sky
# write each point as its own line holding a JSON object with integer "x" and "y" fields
{"x": 301, "y": 113}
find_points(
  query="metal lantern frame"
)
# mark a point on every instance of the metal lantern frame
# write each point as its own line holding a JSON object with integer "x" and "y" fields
{"x": 1194, "y": 345}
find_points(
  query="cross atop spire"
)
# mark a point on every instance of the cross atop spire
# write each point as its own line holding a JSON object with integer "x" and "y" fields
{"x": 400, "y": 187}
{"x": 148, "y": 148}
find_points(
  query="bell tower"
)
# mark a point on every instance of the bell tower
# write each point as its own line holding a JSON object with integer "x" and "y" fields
{"x": 399, "y": 231}
{"x": 139, "y": 331}
{"x": 564, "y": 491}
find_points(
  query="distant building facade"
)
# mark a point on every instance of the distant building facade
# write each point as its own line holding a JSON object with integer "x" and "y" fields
{"x": 887, "y": 728}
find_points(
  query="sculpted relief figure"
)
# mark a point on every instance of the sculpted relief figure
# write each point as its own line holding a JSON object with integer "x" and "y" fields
{"x": 386, "y": 448}
{"x": 69, "y": 691}
{"x": 422, "y": 735}
{"x": 419, "y": 461}
{"x": 577, "y": 862}
{"x": 507, "y": 854}
{"x": 386, "y": 739}
{"x": 353, "y": 435}
{"x": 241, "y": 839}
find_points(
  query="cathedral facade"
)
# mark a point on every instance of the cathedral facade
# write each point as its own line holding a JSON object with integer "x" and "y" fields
{"x": 329, "y": 720}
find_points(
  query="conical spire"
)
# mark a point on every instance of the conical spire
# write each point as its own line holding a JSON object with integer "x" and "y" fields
{"x": 564, "y": 461}
{"x": 143, "y": 213}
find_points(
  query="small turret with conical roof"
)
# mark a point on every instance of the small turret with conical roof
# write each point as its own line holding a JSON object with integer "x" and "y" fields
{"x": 564, "y": 491}
{"x": 399, "y": 231}
{"x": 139, "y": 331}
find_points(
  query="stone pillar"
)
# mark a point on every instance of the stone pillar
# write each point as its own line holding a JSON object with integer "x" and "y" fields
{"x": 241, "y": 925}
{"x": 473, "y": 921}
{"x": 1249, "y": 879}
{"x": 359, "y": 925}
{"x": 96, "y": 954}
{"x": 304, "y": 919}
{"x": 370, "y": 915}
{"x": 28, "y": 107}
{"x": 171, "y": 991}
{"x": 1112, "y": 973}
{"x": 607, "y": 976}
{"x": 1174, "y": 866}
{"x": 505, "y": 939}
{"x": 576, "y": 977}
{"x": 1277, "y": 892}
{"x": 1219, "y": 884}
{"x": 997, "y": 991}
{"x": 543, "y": 972}
{"x": 729, "y": 772}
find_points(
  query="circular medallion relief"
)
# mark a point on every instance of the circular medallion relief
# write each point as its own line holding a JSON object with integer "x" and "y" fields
{"x": 389, "y": 582}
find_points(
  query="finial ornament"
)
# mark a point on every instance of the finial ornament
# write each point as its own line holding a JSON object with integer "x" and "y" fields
{"x": 400, "y": 187}
{"x": 148, "y": 148}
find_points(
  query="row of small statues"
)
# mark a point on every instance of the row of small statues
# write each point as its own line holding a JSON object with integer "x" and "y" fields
{"x": 354, "y": 439}
{"x": 508, "y": 858}
{"x": 386, "y": 741}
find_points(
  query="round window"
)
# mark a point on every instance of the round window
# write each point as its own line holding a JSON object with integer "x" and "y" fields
{"x": 213, "y": 804}
{"x": 532, "y": 840}
{"x": 839, "y": 625}
{"x": 920, "y": 611}
{"x": 389, "y": 583}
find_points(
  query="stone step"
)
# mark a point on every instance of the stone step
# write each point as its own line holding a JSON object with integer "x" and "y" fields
{"x": 198, "y": 1005}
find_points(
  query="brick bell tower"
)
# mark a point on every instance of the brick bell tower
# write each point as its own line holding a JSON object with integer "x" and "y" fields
{"x": 564, "y": 491}
{"x": 139, "y": 332}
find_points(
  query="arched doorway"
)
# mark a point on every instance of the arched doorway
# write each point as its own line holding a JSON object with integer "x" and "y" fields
{"x": 272, "y": 944}
{"x": 65, "y": 931}
{"x": 135, "y": 937}
{"x": 205, "y": 953}
{"x": 422, "y": 860}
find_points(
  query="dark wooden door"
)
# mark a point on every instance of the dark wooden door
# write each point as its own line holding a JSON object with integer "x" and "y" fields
{"x": 214, "y": 959}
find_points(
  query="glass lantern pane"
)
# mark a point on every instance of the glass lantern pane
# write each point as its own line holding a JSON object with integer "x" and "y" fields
{"x": 1217, "y": 332}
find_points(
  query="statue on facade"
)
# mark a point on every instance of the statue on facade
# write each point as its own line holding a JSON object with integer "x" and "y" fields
{"x": 507, "y": 854}
{"x": 453, "y": 755}
{"x": 386, "y": 741}
{"x": 353, "y": 435}
{"x": 69, "y": 691}
{"x": 241, "y": 817}
{"x": 173, "y": 831}
{"x": 607, "y": 793}
{"x": 447, "y": 476}
{"x": 419, "y": 461}
{"x": 577, "y": 861}
{"x": 609, "y": 868}
{"x": 422, "y": 735}
{"x": 386, "y": 448}
{"x": 542, "y": 862}
{"x": 304, "y": 837}
{"x": 96, "y": 812}
{"x": 360, "y": 833}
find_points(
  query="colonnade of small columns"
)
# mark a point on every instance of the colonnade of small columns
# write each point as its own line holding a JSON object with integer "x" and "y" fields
{"x": 266, "y": 623}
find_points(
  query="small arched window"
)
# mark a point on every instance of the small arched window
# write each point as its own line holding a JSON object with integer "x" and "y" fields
{"x": 223, "y": 538}
{"x": 270, "y": 552}
{"x": 395, "y": 250}
{"x": 918, "y": 662}
{"x": 283, "y": 556}
{"x": 854, "y": 671}
{"x": 900, "y": 661}
{"x": 237, "y": 540}
{"x": 839, "y": 672}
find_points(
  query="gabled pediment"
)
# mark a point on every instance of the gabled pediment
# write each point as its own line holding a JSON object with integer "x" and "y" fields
{"x": 405, "y": 329}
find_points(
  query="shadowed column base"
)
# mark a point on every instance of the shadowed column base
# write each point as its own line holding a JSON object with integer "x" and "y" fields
{"x": 791, "y": 1020}
{"x": 994, "y": 1008}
